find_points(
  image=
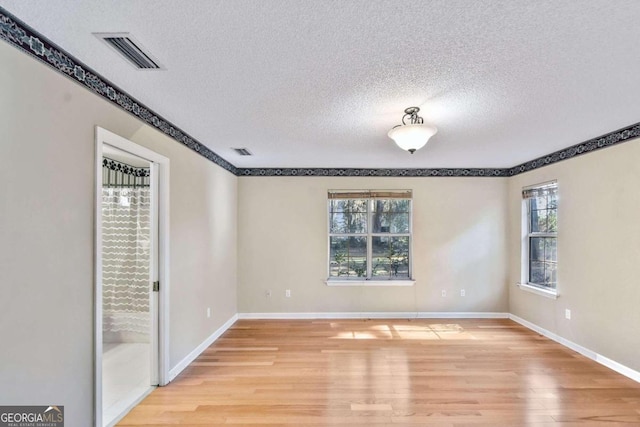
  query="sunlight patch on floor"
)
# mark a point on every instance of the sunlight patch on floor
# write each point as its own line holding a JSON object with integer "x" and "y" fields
{"x": 385, "y": 331}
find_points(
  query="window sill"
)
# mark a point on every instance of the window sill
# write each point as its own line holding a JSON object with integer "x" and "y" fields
{"x": 408, "y": 282}
{"x": 548, "y": 293}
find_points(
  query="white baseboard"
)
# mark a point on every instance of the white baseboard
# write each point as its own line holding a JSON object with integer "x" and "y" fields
{"x": 618, "y": 367}
{"x": 117, "y": 412}
{"x": 376, "y": 315}
{"x": 202, "y": 347}
{"x": 557, "y": 338}
{"x": 611, "y": 364}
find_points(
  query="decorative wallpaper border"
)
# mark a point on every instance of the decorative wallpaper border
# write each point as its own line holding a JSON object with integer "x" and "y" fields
{"x": 25, "y": 38}
{"x": 417, "y": 173}
{"x": 29, "y": 41}
{"x": 598, "y": 143}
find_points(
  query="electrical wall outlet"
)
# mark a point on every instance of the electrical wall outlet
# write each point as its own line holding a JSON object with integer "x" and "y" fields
{"x": 463, "y": 293}
{"x": 567, "y": 313}
{"x": 287, "y": 293}
{"x": 444, "y": 293}
{"x": 208, "y": 311}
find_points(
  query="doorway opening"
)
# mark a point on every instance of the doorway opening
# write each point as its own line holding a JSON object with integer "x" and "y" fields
{"x": 131, "y": 275}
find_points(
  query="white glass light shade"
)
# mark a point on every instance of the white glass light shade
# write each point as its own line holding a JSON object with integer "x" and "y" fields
{"x": 412, "y": 137}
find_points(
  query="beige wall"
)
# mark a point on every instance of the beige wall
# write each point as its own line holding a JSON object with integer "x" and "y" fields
{"x": 459, "y": 242}
{"x": 203, "y": 243}
{"x": 598, "y": 252}
{"x": 47, "y": 236}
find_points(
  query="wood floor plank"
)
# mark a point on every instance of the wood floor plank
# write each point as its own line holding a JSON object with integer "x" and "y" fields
{"x": 418, "y": 372}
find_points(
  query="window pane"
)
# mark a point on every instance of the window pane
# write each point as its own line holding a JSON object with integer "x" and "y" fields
{"x": 338, "y": 250}
{"x": 381, "y": 222}
{"x": 550, "y": 274}
{"x": 336, "y": 222}
{"x": 347, "y": 256}
{"x": 399, "y": 222}
{"x": 536, "y": 272}
{"x": 344, "y": 222}
{"x": 380, "y": 262}
{"x": 543, "y": 214}
{"x": 348, "y": 205}
{"x": 381, "y": 205}
{"x": 536, "y": 248}
{"x": 358, "y": 267}
{"x": 552, "y": 221}
{"x": 543, "y": 253}
{"x": 357, "y": 256}
{"x": 543, "y": 273}
{"x": 396, "y": 223}
{"x": 538, "y": 220}
{"x": 391, "y": 205}
{"x": 538, "y": 203}
{"x": 550, "y": 249}
{"x": 390, "y": 257}
{"x": 348, "y": 216}
{"x": 400, "y": 206}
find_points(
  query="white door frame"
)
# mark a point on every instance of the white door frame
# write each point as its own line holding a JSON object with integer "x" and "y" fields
{"x": 160, "y": 162}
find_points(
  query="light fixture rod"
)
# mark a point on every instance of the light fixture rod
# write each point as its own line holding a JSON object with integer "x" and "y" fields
{"x": 412, "y": 114}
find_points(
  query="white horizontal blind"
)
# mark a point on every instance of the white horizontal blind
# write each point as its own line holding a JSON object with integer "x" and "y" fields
{"x": 370, "y": 194}
{"x": 543, "y": 190}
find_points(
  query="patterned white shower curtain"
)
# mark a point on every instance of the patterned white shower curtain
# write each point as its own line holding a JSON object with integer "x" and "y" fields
{"x": 125, "y": 263}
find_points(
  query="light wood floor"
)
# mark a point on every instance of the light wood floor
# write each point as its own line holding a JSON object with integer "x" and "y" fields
{"x": 353, "y": 373}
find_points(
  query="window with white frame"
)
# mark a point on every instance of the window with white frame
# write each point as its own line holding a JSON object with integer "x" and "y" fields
{"x": 370, "y": 235}
{"x": 540, "y": 261}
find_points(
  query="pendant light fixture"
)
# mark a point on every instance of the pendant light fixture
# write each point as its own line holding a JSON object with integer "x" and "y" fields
{"x": 413, "y": 135}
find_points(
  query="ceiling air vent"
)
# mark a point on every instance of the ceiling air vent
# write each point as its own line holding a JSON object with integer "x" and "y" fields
{"x": 131, "y": 49}
{"x": 243, "y": 151}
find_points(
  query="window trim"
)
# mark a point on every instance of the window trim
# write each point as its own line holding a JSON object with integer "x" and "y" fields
{"x": 373, "y": 282}
{"x": 370, "y": 196}
{"x": 524, "y": 283}
{"x": 539, "y": 290}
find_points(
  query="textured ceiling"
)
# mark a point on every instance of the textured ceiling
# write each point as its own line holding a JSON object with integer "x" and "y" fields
{"x": 319, "y": 83}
